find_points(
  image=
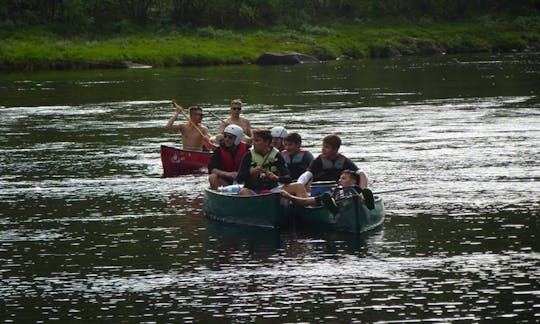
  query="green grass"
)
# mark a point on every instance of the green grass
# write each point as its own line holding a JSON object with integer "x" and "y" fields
{"x": 37, "y": 49}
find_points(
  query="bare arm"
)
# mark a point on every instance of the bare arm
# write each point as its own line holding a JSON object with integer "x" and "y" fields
{"x": 205, "y": 132}
{"x": 222, "y": 126}
{"x": 248, "y": 129}
{"x": 170, "y": 123}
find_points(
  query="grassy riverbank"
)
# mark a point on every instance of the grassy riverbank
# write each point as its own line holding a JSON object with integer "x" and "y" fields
{"x": 38, "y": 49}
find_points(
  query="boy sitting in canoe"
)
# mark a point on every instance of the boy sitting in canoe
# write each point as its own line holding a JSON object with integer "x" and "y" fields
{"x": 278, "y": 136}
{"x": 225, "y": 162}
{"x": 263, "y": 168}
{"x": 330, "y": 163}
{"x": 348, "y": 186}
{"x": 296, "y": 157}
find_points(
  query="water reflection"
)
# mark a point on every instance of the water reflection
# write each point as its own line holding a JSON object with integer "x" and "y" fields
{"x": 89, "y": 230}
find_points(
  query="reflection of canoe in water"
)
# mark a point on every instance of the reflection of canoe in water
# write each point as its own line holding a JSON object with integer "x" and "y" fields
{"x": 178, "y": 161}
{"x": 352, "y": 216}
{"x": 262, "y": 210}
{"x": 269, "y": 210}
{"x": 223, "y": 237}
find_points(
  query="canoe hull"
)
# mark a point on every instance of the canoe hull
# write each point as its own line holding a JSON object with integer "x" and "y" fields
{"x": 177, "y": 161}
{"x": 261, "y": 210}
{"x": 272, "y": 211}
{"x": 353, "y": 216}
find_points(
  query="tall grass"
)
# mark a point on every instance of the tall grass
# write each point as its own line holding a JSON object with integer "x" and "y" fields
{"x": 31, "y": 49}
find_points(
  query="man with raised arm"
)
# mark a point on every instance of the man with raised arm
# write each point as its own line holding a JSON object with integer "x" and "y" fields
{"x": 194, "y": 135}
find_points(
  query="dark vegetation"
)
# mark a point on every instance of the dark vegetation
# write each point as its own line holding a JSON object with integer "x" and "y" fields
{"x": 37, "y": 34}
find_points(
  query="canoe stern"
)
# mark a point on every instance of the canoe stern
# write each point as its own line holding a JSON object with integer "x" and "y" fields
{"x": 261, "y": 210}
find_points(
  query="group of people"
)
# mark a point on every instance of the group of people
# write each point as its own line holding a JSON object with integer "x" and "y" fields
{"x": 267, "y": 160}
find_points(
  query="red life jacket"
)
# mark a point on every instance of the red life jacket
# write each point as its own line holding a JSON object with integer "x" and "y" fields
{"x": 227, "y": 162}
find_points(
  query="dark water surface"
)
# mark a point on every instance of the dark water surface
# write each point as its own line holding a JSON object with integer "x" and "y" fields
{"x": 90, "y": 231}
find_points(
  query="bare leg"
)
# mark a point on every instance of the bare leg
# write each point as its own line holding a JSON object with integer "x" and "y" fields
{"x": 296, "y": 189}
{"x": 216, "y": 181}
{"x": 245, "y": 192}
{"x": 304, "y": 201}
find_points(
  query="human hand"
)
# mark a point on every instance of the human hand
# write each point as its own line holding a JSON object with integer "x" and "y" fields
{"x": 272, "y": 176}
{"x": 256, "y": 171}
{"x": 177, "y": 107}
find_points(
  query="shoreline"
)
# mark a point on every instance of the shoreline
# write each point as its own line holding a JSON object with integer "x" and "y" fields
{"x": 32, "y": 50}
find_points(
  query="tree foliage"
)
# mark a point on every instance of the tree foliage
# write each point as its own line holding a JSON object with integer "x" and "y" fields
{"x": 108, "y": 16}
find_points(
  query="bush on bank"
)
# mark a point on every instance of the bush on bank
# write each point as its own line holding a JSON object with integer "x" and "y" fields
{"x": 31, "y": 49}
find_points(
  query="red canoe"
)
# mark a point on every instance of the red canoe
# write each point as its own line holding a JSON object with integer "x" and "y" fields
{"x": 178, "y": 161}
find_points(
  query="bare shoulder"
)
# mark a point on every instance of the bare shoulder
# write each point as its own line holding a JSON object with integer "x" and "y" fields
{"x": 204, "y": 129}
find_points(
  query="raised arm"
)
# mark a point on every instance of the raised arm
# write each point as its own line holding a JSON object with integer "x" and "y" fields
{"x": 170, "y": 123}
{"x": 248, "y": 132}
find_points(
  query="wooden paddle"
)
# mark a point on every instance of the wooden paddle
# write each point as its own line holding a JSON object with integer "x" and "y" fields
{"x": 206, "y": 141}
{"x": 217, "y": 117}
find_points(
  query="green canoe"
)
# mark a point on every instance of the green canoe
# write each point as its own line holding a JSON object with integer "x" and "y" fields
{"x": 353, "y": 216}
{"x": 266, "y": 210}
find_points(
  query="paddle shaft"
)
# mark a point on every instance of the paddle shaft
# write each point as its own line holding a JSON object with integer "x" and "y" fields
{"x": 396, "y": 190}
{"x": 217, "y": 117}
{"x": 187, "y": 118}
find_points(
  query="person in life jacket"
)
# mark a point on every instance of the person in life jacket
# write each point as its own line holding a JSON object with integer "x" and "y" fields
{"x": 348, "y": 186}
{"x": 278, "y": 136}
{"x": 330, "y": 163}
{"x": 225, "y": 162}
{"x": 296, "y": 158}
{"x": 263, "y": 169}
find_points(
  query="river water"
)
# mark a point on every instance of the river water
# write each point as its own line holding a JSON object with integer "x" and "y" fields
{"x": 90, "y": 231}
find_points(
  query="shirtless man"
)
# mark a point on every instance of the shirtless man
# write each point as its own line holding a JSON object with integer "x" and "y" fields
{"x": 235, "y": 119}
{"x": 191, "y": 130}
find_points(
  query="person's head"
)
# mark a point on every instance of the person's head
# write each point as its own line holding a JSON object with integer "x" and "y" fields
{"x": 195, "y": 113}
{"x": 349, "y": 178}
{"x": 232, "y": 135}
{"x": 261, "y": 140}
{"x": 278, "y": 134}
{"x": 330, "y": 145}
{"x": 292, "y": 142}
{"x": 236, "y": 107}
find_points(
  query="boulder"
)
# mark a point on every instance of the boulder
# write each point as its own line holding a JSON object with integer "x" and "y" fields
{"x": 285, "y": 59}
{"x": 390, "y": 51}
{"x": 431, "y": 50}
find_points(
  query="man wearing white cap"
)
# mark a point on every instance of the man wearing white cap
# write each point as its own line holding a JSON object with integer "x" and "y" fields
{"x": 225, "y": 162}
